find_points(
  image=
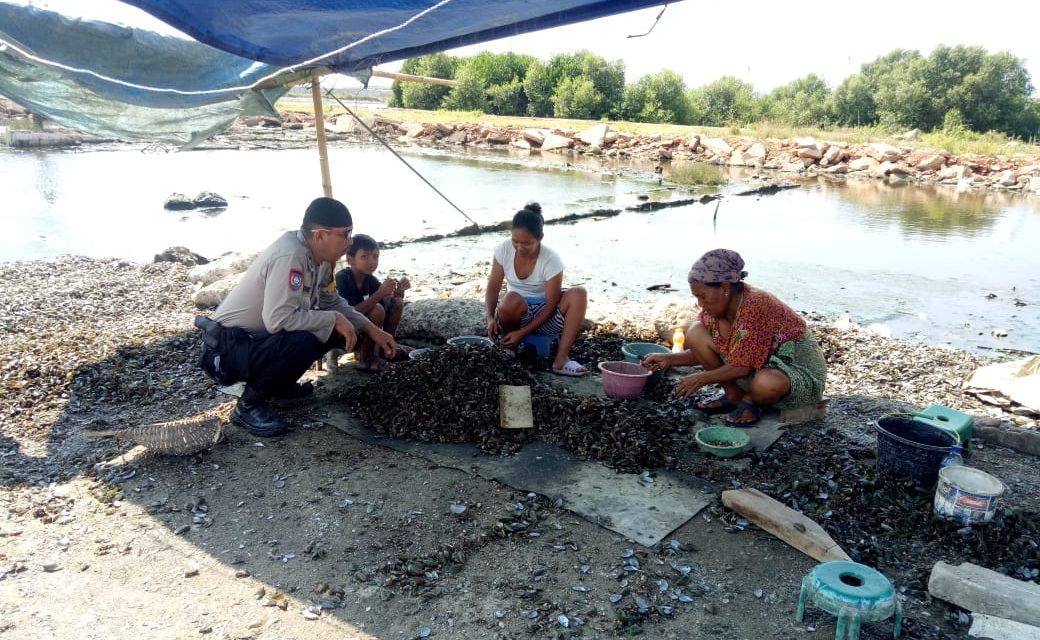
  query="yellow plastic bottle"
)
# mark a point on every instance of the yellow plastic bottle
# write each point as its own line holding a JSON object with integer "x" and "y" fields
{"x": 678, "y": 340}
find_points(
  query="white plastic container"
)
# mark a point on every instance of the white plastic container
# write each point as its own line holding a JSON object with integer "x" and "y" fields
{"x": 967, "y": 494}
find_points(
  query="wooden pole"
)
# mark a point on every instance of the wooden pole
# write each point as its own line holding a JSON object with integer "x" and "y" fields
{"x": 319, "y": 126}
{"x": 404, "y": 77}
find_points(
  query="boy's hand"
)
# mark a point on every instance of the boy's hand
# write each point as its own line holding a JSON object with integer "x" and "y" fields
{"x": 386, "y": 289}
{"x": 402, "y": 285}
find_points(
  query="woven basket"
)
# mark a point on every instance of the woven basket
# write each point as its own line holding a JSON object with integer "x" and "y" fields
{"x": 175, "y": 438}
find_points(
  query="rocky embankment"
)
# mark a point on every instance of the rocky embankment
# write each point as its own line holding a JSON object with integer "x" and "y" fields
{"x": 805, "y": 156}
{"x": 799, "y": 156}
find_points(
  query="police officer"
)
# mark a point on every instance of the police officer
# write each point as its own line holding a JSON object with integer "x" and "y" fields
{"x": 282, "y": 316}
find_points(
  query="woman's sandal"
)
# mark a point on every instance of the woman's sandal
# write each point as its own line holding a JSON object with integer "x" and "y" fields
{"x": 572, "y": 369}
{"x": 735, "y": 418}
{"x": 718, "y": 404}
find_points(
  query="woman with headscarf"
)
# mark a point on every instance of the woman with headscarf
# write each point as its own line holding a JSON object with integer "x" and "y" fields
{"x": 756, "y": 347}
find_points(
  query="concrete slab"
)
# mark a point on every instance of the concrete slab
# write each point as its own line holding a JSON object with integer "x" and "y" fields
{"x": 994, "y": 628}
{"x": 981, "y": 590}
{"x": 644, "y": 509}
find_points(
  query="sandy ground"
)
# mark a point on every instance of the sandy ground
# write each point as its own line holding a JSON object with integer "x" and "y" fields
{"x": 317, "y": 535}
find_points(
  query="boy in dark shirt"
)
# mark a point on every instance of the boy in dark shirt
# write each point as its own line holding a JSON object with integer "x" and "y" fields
{"x": 381, "y": 302}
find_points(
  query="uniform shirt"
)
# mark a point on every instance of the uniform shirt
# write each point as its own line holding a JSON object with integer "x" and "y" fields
{"x": 347, "y": 288}
{"x": 548, "y": 266}
{"x": 763, "y": 323}
{"x": 285, "y": 289}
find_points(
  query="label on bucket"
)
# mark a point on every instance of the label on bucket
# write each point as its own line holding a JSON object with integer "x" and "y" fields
{"x": 952, "y": 501}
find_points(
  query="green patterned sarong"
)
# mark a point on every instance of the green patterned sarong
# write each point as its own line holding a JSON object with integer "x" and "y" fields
{"x": 803, "y": 363}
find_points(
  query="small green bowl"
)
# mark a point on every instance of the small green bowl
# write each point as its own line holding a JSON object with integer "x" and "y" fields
{"x": 722, "y": 442}
{"x": 636, "y": 351}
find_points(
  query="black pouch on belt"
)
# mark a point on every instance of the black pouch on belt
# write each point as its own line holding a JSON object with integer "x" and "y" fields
{"x": 225, "y": 351}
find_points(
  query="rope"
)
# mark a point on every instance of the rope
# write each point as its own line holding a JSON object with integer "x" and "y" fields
{"x": 658, "y": 19}
{"x": 290, "y": 69}
{"x": 398, "y": 156}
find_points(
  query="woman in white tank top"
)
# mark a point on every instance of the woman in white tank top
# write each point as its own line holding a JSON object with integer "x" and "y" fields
{"x": 535, "y": 301}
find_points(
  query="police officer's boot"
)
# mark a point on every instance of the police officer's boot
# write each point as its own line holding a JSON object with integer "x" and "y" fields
{"x": 253, "y": 414}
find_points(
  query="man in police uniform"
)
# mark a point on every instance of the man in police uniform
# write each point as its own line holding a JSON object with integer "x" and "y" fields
{"x": 283, "y": 316}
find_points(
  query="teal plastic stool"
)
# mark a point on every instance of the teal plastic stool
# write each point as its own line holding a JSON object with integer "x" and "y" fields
{"x": 950, "y": 420}
{"x": 542, "y": 344}
{"x": 854, "y": 593}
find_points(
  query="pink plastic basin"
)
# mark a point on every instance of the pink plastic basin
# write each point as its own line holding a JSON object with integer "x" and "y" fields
{"x": 623, "y": 379}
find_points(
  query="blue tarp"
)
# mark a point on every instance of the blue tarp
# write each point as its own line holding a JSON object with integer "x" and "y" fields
{"x": 145, "y": 86}
{"x": 88, "y": 103}
{"x": 134, "y": 56}
{"x": 290, "y": 32}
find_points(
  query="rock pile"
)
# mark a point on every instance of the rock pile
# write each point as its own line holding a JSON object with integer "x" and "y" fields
{"x": 805, "y": 156}
{"x": 451, "y": 395}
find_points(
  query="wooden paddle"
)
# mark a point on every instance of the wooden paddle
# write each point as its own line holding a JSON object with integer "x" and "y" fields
{"x": 785, "y": 523}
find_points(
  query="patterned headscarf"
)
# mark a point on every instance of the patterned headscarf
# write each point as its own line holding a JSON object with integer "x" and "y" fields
{"x": 718, "y": 265}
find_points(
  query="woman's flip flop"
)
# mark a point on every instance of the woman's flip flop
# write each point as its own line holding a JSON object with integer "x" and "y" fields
{"x": 735, "y": 418}
{"x": 718, "y": 404}
{"x": 572, "y": 369}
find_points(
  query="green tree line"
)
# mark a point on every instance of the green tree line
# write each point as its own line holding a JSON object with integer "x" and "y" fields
{"x": 959, "y": 87}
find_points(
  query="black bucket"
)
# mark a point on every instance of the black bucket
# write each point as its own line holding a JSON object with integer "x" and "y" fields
{"x": 911, "y": 448}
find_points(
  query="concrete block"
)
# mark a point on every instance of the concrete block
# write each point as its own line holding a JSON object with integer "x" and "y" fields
{"x": 994, "y": 628}
{"x": 980, "y": 590}
{"x": 1017, "y": 438}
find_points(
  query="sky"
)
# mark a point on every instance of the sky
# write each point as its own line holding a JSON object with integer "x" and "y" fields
{"x": 771, "y": 43}
{"x": 765, "y": 43}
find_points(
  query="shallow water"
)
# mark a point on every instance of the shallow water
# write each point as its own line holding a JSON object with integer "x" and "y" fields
{"x": 921, "y": 261}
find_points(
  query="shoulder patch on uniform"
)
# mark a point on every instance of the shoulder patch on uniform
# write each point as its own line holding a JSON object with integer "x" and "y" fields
{"x": 295, "y": 279}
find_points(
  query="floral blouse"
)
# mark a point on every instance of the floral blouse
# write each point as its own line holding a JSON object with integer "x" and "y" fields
{"x": 763, "y": 323}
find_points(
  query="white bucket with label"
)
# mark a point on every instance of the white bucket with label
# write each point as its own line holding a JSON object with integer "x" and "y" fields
{"x": 967, "y": 494}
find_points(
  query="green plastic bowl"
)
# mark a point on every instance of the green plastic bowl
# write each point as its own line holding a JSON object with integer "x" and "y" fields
{"x": 636, "y": 351}
{"x": 722, "y": 442}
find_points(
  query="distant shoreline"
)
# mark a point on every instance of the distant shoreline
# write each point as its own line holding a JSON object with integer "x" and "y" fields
{"x": 554, "y": 142}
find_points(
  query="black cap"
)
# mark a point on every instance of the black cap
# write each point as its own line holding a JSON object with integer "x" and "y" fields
{"x": 328, "y": 212}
